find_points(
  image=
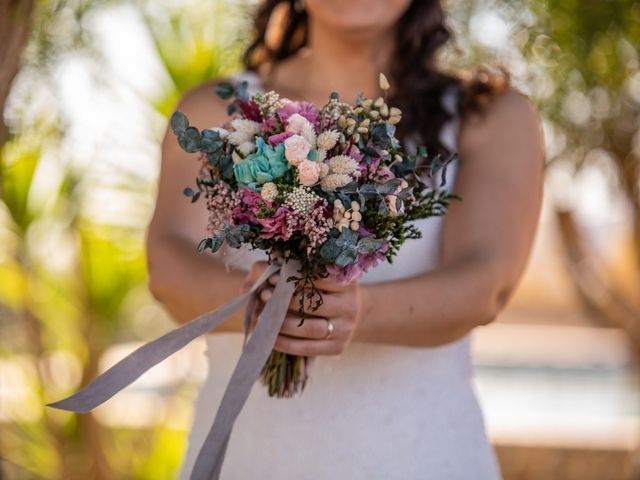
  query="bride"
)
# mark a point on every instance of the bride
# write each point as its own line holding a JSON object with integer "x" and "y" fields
{"x": 390, "y": 395}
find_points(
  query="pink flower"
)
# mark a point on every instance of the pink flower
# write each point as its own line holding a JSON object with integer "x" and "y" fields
{"x": 308, "y": 172}
{"x": 296, "y": 149}
{"x": 250, "y": 202}
{"x": 306, "y": 109}
{"x": 250, "y": 110}
{"x": 279, "y": 138}
{"x": 346, "y": 275}
{"x": 277, "y": 225}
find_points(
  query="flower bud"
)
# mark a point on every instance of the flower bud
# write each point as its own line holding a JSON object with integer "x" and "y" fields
{"x": 367, "y": 103}
{"x": 355, "y": 206}
{"x": 374, "y": 114}
{"x": 347, "y": 215}
{"x": 342, "y": 121}
{"x": 379, "y": 102}
{"x": 394, "y": 120}
{"x": 356, "y": 216}
{"x": 354, "y": 226}
{"x": 384, "y": 83}
{"x": 384, "y": 111}
{"x": 363, "y": 130}
{"x": 395, "y": 112}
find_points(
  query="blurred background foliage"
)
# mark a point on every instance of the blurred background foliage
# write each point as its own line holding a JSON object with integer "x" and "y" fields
{"x": 73, "y": 209}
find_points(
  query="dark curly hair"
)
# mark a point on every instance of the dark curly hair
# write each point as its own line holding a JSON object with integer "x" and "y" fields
{"x": 417, "y": 84}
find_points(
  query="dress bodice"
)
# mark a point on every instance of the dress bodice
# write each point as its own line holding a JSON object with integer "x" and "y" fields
{"x": 375, "y": 411}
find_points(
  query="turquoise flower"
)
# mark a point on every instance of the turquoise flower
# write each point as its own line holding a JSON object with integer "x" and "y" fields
{"x": 261, "y": 166}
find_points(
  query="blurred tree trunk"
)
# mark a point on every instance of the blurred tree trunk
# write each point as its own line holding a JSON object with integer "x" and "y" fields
{"x": 609, "y": 305}
{"x": 16, "y": 18}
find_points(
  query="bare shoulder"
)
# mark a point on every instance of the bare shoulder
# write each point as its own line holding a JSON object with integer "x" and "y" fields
{"x": 203, "y": 107}
{"x": 508, "y": 119}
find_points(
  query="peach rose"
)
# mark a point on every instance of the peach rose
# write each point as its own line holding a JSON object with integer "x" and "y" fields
{"x": 308, "y": 172}
{"x": 296, "y": 149}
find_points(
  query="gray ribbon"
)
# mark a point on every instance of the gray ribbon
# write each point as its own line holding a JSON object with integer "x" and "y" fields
{"x": 255, "y": 352}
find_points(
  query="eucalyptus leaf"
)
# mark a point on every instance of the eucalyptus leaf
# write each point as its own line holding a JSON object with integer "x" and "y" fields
{"x": 348, "y": 256}
{"x": 224, "y": 90}
{"x": 210, "y": 141}
{"x": 179, "y": 122}
{"x": 369, "y": 244}
{"x": 242, "y": 90}
{"x": 189, "y": 140}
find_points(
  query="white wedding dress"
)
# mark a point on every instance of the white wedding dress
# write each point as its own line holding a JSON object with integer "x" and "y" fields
{"x": 373, "y": 412}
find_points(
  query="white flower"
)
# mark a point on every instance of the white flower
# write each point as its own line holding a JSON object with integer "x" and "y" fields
{"x": 269, "y": 191}
{"x": 244, "y": 125}
{"x": 321, "y": 155}
{"x": 245, "y": 148}
{"x": 343, "y": 164}
{"x": 296, "y": 149}
{"x": 324, "y": 170}
{"x": 335, "y": 180}
{"x": 328, "y": 139}
{"x": 299, "y": 125}
{"x": 308, "y": 172}
{"x": 239, "y": 137}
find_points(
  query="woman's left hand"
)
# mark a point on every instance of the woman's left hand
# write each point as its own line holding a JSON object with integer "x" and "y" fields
{"x": 342, "y": 306}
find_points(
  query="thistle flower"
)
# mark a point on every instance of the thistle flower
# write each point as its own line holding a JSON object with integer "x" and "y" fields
{"x": 342, "y": 164}
{"x": 327, "y": 139}
{"x": 324, "y": 170}
{"x": 335, "y": 180}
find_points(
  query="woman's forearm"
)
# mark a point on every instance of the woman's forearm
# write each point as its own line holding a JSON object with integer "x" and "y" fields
{"x": 431, "y": 309}
{"x": 189, "y": 283}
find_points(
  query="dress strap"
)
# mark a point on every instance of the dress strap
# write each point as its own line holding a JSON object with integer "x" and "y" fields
{"x": 450, "y": 130}
{"x": 251, "y": 77}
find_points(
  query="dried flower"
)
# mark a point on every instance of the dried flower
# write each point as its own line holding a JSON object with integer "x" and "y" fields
{"x": 328, "y": 139}
{"x": 245, "y": 148}
{"x": 384, "y": 83}
{"x": 296, "y": 149}
{"x": 342, "y": 164}
{"x": 335, "y": 180}
{"x": 308, "y": 172}
{"x": 269, "y": 191}
{"x": 299, "y": 125}
{"x": 301, "y": 199}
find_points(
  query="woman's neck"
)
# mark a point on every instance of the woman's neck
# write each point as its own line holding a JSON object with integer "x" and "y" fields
{"x": 335, "y": 60}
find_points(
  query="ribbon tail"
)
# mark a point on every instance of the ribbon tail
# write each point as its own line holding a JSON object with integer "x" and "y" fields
{"x": 150, "y": 354}
{"x": 247, "y": 315}
{"x": 254, "y": 355}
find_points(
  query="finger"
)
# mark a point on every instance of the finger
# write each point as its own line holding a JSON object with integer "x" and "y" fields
{"x": 265, "y": 294}
{"x": 311, "y": 328}
{"x": 306, "y": 347}
{"x": 333, "y": 305}
{"x": 331, "y": 284}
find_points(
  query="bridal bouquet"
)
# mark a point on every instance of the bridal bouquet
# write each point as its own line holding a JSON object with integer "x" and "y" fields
{"x": 330, "y": 187}
{"x": 324, "y": 192}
